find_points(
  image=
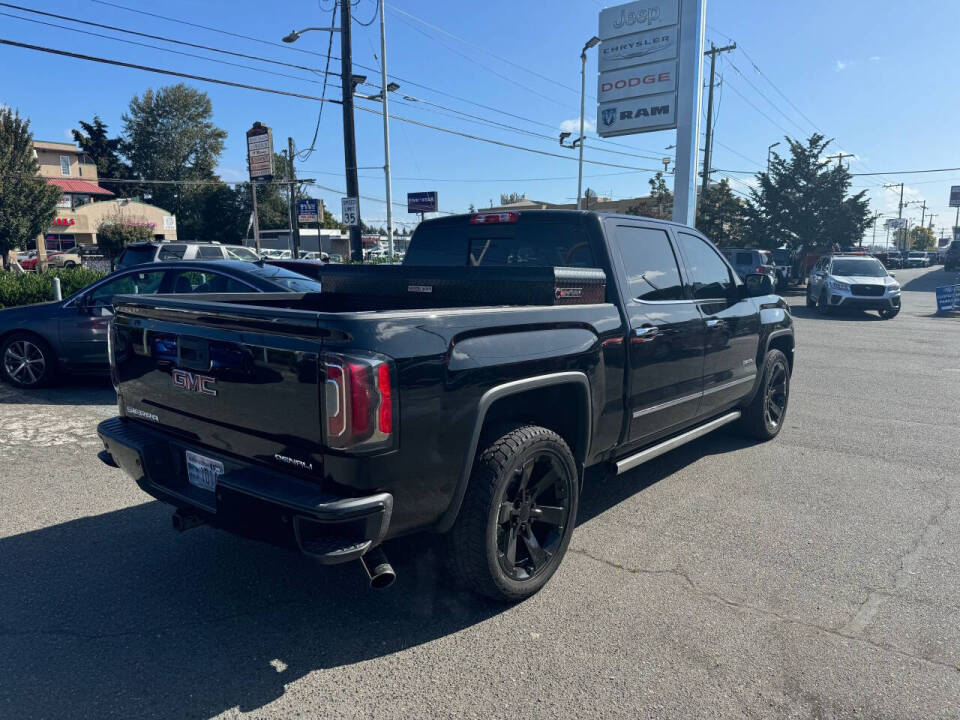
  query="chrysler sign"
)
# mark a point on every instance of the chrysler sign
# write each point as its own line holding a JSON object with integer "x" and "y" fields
{"x": 638, "y": 83}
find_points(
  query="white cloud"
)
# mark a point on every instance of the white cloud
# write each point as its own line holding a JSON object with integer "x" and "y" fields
{"x": 874, "y": 58}
{"x": 573, "y": 126}
{"x": 839, "y": 65}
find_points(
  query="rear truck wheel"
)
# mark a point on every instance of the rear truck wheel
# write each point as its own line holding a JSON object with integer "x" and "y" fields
{"x": 823, "y": 304}
{"x": 69, "y": 263}
{"x": 811, "y": 303}
{"x": 763, "y": 417}
{"x": 26, "y": 361}
{"x": 517, "y": 515}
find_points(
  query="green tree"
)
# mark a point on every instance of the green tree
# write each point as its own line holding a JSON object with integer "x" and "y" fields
{"x": 803, "y": 201}
{"x": 661, "y": 195}
{"x": 510, "y": 198}
{"x": 721, "y": 215}
{"x": 921, "y": 238}
{"x": 168, "y": 134}
{"x": 105, "y": 153}
{"x": 27, "y": 202}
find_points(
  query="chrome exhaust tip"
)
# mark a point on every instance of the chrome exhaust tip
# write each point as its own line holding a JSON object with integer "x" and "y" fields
{"x": 378, "y": 569}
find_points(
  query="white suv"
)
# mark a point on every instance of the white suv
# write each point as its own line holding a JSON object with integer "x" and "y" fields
{"x": 852, "y": 281}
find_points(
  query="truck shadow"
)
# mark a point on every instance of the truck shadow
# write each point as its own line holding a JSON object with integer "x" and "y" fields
{"x": 116, "y": 615}
{"x": 802, "y": 311}
{"x": 84, "y": 390}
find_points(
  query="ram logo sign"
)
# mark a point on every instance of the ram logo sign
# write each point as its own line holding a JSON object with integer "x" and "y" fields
{"x": 202, "y": 384}
{"x": 655, "y": 112}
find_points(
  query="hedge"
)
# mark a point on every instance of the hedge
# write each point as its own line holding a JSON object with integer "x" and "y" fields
{"x": 34, "y": 287}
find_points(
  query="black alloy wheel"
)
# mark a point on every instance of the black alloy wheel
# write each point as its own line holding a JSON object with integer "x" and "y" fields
{"x": 534, "y": 512}
{"x": 517, "y": 516}
{"x": 775, "y": 394}
{"x": 823, "y": 304}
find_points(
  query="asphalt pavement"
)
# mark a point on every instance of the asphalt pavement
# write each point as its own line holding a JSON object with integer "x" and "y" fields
{"x": 814, "y": 576}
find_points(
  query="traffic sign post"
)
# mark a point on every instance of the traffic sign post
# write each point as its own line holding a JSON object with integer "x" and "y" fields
{"x": 350, "y": 207}
{"x": 260, "y": 162}
{"x": 422, "y": 202}
{"x": 308, "y": 211}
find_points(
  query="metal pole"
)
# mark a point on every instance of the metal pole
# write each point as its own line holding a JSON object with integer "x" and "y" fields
{"x": 709, "y": 139}
{"x": 256, "y": 217}
{"x": 386, "y": 126}
{"x": 900, "y": 217}
{"x": 349, "y": 135}
{"x": 693, "y": 16}
{"x": 294, "y": 224}
{"x": 583, "y": 90}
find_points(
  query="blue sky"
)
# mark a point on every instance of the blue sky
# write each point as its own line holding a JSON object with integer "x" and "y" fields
{"x": 876, "y": 75}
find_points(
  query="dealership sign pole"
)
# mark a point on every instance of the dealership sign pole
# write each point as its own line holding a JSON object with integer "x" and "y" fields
{"x": 260, "y": 161}
{"x": 651, "y": 73}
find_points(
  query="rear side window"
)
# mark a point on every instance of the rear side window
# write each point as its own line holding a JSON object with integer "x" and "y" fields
{"x": 171, "y": 252}
{"x": 136, "y": 255}
{"x": 744, "y": 259}
{"x": 649, "y": 262}
{"x": 711, "y": 277}
{"x": 525, "y": 243}
{"x": 195, "y": 281}
{"x": 209, "y": 252}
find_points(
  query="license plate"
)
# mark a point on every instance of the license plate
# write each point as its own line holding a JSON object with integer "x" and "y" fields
{"x": 203, "y": 472}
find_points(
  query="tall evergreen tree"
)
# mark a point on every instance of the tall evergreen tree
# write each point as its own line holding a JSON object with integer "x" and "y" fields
{"x": 105, "y": 153}
{"x": 803, "y": 201}
{"x": 721, "y": 215}
{"x": 27, "y": 202}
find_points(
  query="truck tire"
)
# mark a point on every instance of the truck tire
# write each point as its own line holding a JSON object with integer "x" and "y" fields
{"x": 763, "y": 417}
{"x": 517, "y": 515}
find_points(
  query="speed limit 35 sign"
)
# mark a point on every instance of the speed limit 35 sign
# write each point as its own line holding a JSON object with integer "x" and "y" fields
{"x": 351, "y": 210}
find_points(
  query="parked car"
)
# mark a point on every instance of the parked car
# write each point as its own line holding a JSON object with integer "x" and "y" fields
{"x": 149, "y": 252}
{"x": 37, "y": 342}
{"x": 274, "y": 254}
{"x": 933, "y": 258}
{"x": 751, "y": 260}
{"x": 894, "y": 260}
{"x": 64, "y": 259}
{"x": 857, "y": 282}
{"x": 28, "y": 260}
{"x": 917, "y": 259}
{"x": 242, "y": 253}
{"x": 951, "y": 261}
{"x": 783, "y": 260}
{"x": 465, "y": 392}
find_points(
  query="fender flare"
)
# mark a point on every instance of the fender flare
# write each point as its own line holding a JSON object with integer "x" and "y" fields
{"x": 766, "y": 348}
{"x": 499, "y": 392}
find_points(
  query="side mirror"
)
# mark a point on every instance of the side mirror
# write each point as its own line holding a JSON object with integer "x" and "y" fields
{"x": 758, "y": 284}
{"x": 892, "y": 274}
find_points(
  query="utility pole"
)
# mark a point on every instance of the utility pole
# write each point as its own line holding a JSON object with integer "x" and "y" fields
{"x": 349, "y": 135}
{"x": 839, "y": 156}
{"x": 900, "y": 207}
{"x": 875, "y": 218}
{"x": 384, "y": 88}
{"x": 294, "y": 225}
{"x": 708, "y": 146}
{"x": 256, "y": 217}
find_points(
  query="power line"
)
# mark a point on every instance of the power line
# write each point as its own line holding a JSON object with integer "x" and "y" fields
{"x": 747, "y": 101}
{"x": 157, "y": 47}
{"x": 303, "y": 96}
{"x": 304, "y": 154}
{"x": 761, "y": 94}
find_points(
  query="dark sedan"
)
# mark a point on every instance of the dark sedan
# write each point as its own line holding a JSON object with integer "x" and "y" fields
{"x": 70, "y": 336}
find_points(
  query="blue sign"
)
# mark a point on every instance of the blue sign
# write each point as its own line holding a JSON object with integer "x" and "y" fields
{"x": 948, "y": 298}
{"x": 421, "y": 202}
{"x": 308, "y": 210}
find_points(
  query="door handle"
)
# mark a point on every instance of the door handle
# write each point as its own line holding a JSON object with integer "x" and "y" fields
{"x": 647, "y": 332}
{"x": 715, "y": 323}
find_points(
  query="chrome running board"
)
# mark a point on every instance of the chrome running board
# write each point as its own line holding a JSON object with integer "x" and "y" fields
{"x": 628, "y": 463}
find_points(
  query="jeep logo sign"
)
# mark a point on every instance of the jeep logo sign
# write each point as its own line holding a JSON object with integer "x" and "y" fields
{"x": 636, "y": 16}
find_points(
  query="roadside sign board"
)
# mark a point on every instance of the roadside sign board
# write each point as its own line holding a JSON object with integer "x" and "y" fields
{"x": 308, "y": 211}
{"x": 894, "y": 223}
{"x": 955, "y": 196}
{"x": 948, "y": 298}
{"x": 350, "y": 208}
{"x": 421, "y": 202}
{"x": 639, "y": 80}
{"x": 260, "y": 152}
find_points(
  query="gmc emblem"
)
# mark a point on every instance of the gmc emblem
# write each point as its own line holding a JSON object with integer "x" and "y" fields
{"x": 202, "y": 384}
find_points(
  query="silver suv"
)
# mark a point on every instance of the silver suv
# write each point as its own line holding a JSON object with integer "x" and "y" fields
{"x": 852, "y": 281}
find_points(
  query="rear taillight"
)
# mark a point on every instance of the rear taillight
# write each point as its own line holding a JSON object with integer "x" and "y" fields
{"x": 494, "y": 218}
{"x": 358, "y": 402}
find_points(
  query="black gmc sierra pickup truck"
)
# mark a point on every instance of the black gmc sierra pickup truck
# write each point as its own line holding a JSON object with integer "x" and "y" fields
{"x": 464, "y": 392}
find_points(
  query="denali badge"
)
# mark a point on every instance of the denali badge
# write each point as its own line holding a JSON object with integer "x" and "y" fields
{"x": 569, "y": 292}
{"x": 293, "y": 461}
{"x": 202, "y": 384}
{"x": 420, "y": 288}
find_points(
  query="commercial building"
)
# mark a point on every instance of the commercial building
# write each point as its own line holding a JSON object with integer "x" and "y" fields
{"x": 85, "y": 205}
{"x": 646, "y": 206}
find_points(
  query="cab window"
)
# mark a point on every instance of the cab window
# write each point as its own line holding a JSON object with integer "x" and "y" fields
{"x": 649, "y": 263}
{"x": 710, "y": 275}
{"x": 138, "y": 283}
{"x": 196, "y": 281}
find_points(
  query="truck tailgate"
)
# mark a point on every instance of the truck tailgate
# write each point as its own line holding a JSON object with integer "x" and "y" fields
{"x": 236, "y": 378}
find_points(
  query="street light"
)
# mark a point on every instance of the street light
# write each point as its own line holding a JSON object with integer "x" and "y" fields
{"x": 592, "y": 42}
{"x": 769, "y": 149}
{"x": 295, "y": 34}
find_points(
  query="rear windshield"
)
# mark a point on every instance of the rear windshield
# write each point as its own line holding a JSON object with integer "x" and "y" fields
{"x": 781, "y": 256}
{"x": 868, "y": 267}
{"x": 529, "y": 242}
{"x": 137, "y": 255}
{"x": 171, "y": 252}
